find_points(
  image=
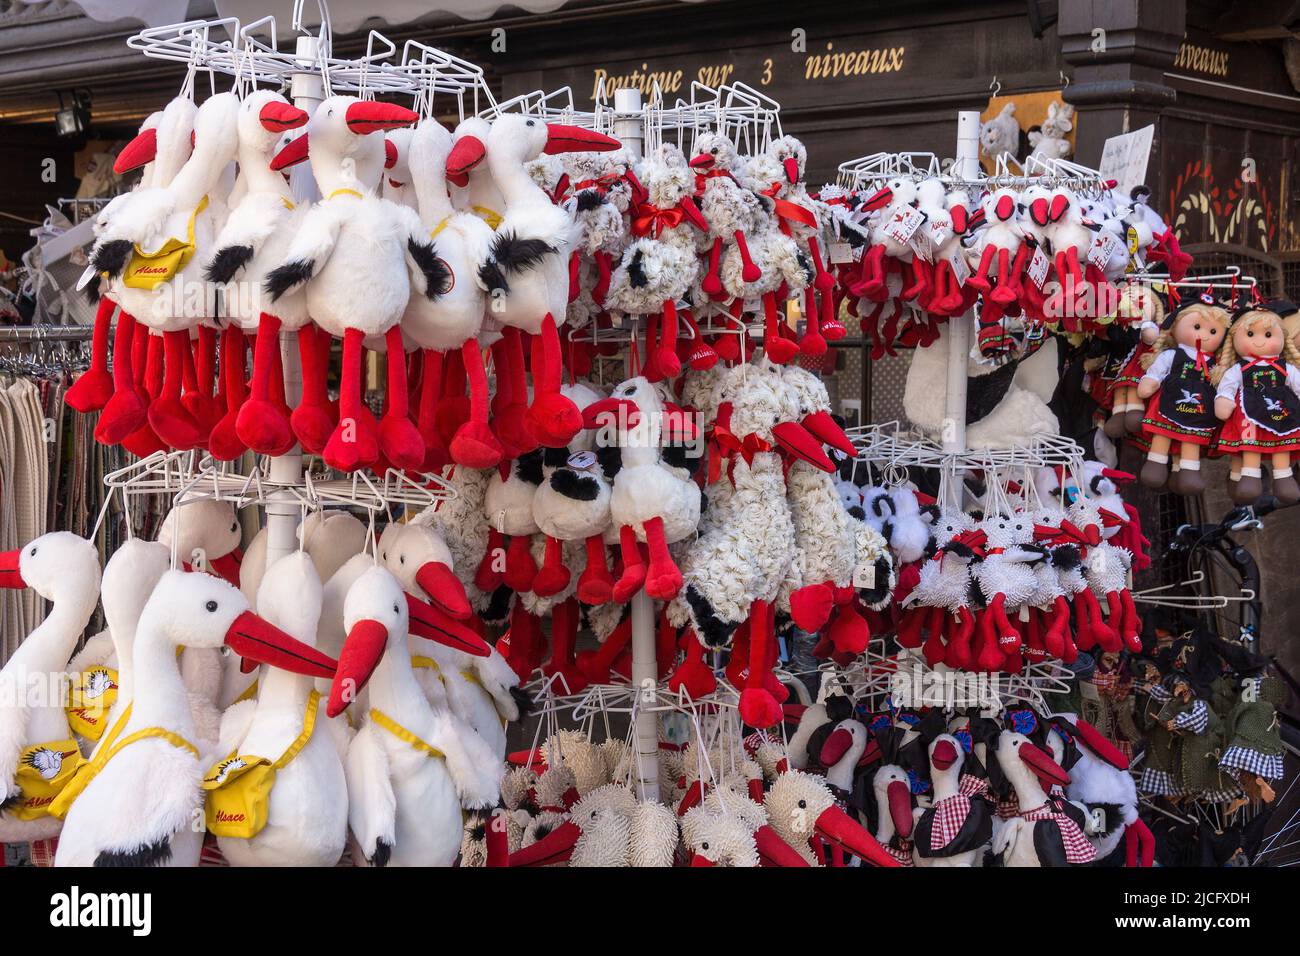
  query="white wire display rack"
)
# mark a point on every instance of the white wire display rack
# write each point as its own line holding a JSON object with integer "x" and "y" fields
{"x": 894, "y": 445}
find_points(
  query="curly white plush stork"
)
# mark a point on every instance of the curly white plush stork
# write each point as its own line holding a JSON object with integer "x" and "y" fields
{"x": 527, "y": 272}
{"x": 358, "y": 255}
{"x": 252, "y": 243}
{"x": 141, "y": 804}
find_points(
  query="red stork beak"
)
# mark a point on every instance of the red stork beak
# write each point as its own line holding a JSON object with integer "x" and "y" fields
{"x": 555, "y": 847}
{"x": 598, "y": 412}
{"x": 142, "y": 149}
{"x": 1038, "y": 211}
{"x": 294, "y": 152}
{"x": 467, "y": 153}
{"x": 1060, "y": 203}
{"x": 276, "y": 117}
{"x": 1042, "y": 764}
{"x": 527, "y": 758}
{"x": 799, "y": 442}
{"x": 227, "y": 566}
{"x": 836, "y": 746}
{"x": 703, "y": 161}
{"x": 837, "y": 827}
{"x": 693, "y": 795}
{"x": 879, "y": 199}
{"x": 10, "y": 575}
{"x": 361, "y": 653}
{"x": 1005, "y": 208}
{"x": 826, "y": 430}
{"x": 773, "y": 851}
{"x": 371, "y": 116}
{"x": 871, "y": 754}
{"x": 258, "y": 640}
{"x": 1097, "y": 742}
{"x": 444, "y": 589}
{"x": 390, "y": 154}
{"x": 791, "y": 169}
{"x": 899, "y": 798}
{"x": 430, "y": 623}
{"x": 693, "y": 214}
{"x": 561, "y": 138}
{"x": 944, "y": 755}
{"x": 960, "y": 218}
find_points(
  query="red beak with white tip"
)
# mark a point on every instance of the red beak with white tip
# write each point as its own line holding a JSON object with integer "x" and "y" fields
{"x": 791, "y": 169}
{"x": 799, "y": 442}
{"x": 826, "y": 430}
{"x": 277, "y": 117}
{"x": 561, "y": 138}
{"x": 467, "y": 153}
{"x": 1042, "y": 764}
{"x": 141, "y": 150}
{"x": 10, "y": 575}
{"x": 430, "y": 623}
{"x": 555, "y": 847}
{"x": 258, "y": 640}
{"x": 837, "y": 827}
{"x": 879, "y": 199}
{"x": 444, "y": 589}
{"x": 361, "y": 654}
{"x": 371, "y": 116}
{"x": 293, "y": 153}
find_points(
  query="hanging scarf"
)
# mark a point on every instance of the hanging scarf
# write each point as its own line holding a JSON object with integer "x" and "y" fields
{"x": 951, "y": 812}
{"x": 1077, "y": 847}
{"x": 788, "y": 212}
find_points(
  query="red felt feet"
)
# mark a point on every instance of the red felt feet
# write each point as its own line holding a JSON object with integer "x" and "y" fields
{"x": 94, "y": 387}
{"x": 552, "y": 577}
{"x": 665, "y": 358}
{"x": 314, "y": 418}
{"x": 596, "y": 584}
{"x": 552, "y": 418}
{"x": 758, "y": 707}
{"x": 810, "y": 606}
{"x": 520, "y": 566}
{"x": 748, "y": 271}
{"x": 261, "y": 424}
{"x": 126, "y": 411}
{"x": 663, "y": 580}
{"x": 693, "y": 677}
{"x": 167, "y": 415}
{"x": 596, "y": 665}
{"x": 474, "y": 445}
{"x": 780, "y": 350}
{"x": 399, "y": 439}
{"x": 354, "y": 442}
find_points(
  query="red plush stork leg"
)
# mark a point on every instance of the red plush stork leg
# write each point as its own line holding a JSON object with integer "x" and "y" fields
{"x": 1057, "y": 629}
{"x": 313, "y": 420}
{"x": 823, "y": 281}
{"x": 1131, "y": 627}
{"x": 849, "y": 632}
{"x": 1034, "y": 647}
{"x": 453, "y": 406}
{"x": 663, "y": 580}
{"x": 933, "y": 649}
{"x": 712, "y": 282}
{"x": 491, "y": 569}
{"x": 810, "y": 606}
{"x": 1139, "y": 844}
{"x": 779, "y": 350}
{"x": 261, "y": 424}
{"x": 521, "y": 569}
{"x": 435, "y": 452}
{"x": 564, "y": 629}
{"x": 596, "y": 665}
{"x": 990, "y": 656}
{"x": 92, "y": 390}
{"x": 126, "y": 411}
{"x": 812, "y": 342}
{"x": 958, "y": 653}
{"x": 666, "y": 360}
{"x": 979, "y": 279}
{"x": 911, "y": 626}
{"x": 1083, "y": 629}
{"x": 603, "y": 272}
{"x": 748, "y": 272}
{"x": 552, "y": 418}
{"x": 1008, "y": 637}
{"x": 596, "y": 584}
{"x": 693, "y": 677}
{"x": 353, "y": 443}
{"x": 224, "y": 443}
{"x": 474, "y": 445}
{"x": 552, "y": 577}
{"x": 525, "y": 638}
{"x": 1004, "y": 294}
{"x": 872, "y": 283}
{"x": 922, "y": 281}
{"x": 575, "y": 270}
{"x": 167, "y": 415}
{"x": 634, "y": 569}
{"x": 1106, "y": 636}
{"x": 758, "y": 708}
{"x": 512, "y": 420}
{"x": 398, "y": 437}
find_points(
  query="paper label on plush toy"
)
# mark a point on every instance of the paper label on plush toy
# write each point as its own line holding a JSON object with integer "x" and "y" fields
{"x": 903, "y": 224}
{"x": 922, "y": 246}
{"x": 1103, "y": 249}
{"x": 864, "y": 576}
{"x": 1024, "y": 612}
{"x": 581, "y": 460}
{"x": 840, "y": 253}
{"x": 1038, "y": 267}
{"x": 960, "y": 268}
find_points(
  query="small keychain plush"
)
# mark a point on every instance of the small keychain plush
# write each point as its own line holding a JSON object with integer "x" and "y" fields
{"x": 1179, "y": 394}
{"x": 1258, "y": 398}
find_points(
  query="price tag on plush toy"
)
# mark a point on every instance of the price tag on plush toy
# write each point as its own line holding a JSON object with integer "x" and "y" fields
{"x": 1103, "y": 248}
{"x": 1038, "y": 266}
{"x": 841, "y": 252}
{"x": 903, "y": 224}
{"x": 922, "y": 246}
{"x": 864, "y": 576}
{"x": 582, "y": 460}
{"x": 960, "y": 268}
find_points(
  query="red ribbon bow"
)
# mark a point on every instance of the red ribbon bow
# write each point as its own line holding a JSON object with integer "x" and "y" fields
{"x": 730, "y": 445}
{"x": 1067, "y": 533}
{"x": 702, "y": 178}
{"x": 648, "y": 217}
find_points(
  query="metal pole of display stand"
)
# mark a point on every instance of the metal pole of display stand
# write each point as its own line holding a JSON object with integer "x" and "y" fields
{"x": 628, "y": 127}
{"x": 282, "y": 512}
{"x": 959, "y": 328}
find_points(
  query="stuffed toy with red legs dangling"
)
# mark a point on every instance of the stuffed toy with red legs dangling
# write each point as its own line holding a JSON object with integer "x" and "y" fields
{"x": 731, "y": 211}
{"x": 599, "y": 200}
{"x": 1071, "y": 242}
{"x": 449, "y": 318}
{"x": 1106, "y": 567}
{"x": 358, "y": 256}
{"x": 1142, "y": 309}
{"x": 153, "y": 252}
{"x": 508, "y": 505}
{"x": 1000, "y": 247}
{"x": 527, "y": 270}
{"x": 938, "y": 611}
{"x": 252, "y": 243}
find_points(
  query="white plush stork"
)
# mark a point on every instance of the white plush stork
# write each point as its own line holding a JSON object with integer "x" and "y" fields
{"x": 1043, "y": 834}
{"x": 527, "y": 272}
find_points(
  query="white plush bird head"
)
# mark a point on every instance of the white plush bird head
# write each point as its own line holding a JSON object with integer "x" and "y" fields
{"x": 53, "y": 564}
{"x": 265, "y": 116}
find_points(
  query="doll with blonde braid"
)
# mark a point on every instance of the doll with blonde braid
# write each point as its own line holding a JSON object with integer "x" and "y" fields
{"x": 1179, "y": 394}
{"x": 1258, "y": 398}
{"x": 1140, "y": 308}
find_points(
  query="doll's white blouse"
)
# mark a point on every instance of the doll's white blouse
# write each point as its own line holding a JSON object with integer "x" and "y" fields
{"x": 1230, "y": 384}
{"x": 1165, "y": 360}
